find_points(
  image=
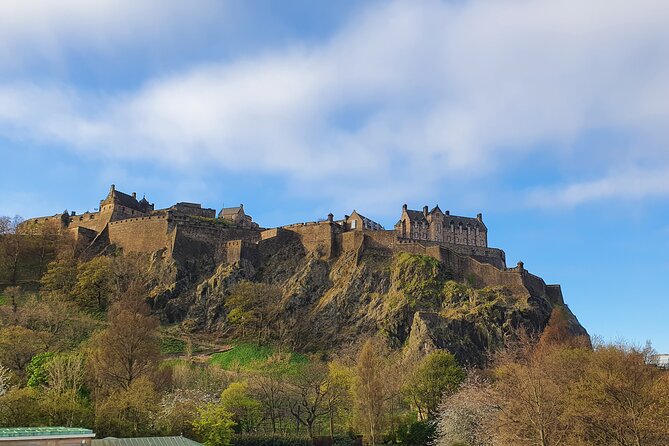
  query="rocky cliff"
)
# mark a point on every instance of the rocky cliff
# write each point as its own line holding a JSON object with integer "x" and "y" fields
{"x": 326, "y": 303}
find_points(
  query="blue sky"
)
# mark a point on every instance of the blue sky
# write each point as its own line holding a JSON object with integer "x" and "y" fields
{"x": 550, "y": 117}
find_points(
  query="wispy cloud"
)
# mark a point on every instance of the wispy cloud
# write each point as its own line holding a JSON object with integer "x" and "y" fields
{"x": 406, "y": 90}
{"x": 632, "y": 184}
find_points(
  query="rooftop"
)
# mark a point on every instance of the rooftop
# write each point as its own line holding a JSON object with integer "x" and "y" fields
{"x": 146, "y": 441}
{"x": 22, "y": 432}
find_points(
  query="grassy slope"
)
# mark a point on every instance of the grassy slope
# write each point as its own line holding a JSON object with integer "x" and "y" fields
{"x": 247, "y": 356}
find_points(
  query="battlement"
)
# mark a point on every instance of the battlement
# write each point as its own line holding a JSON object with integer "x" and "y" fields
{"x": 189, "y": 230}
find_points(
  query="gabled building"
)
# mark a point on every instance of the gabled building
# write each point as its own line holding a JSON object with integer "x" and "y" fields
{"x": 356, "y": 221}
{"x": 435, "y": 225}
{"x": 236, "y": 216}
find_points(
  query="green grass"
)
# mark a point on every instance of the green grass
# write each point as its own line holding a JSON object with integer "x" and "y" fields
{"x": 172, "y": 345}
{"x": 249, "y": 356}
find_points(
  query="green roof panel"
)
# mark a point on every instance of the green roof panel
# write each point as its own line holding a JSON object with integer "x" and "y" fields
{"x": 11, "y": 432}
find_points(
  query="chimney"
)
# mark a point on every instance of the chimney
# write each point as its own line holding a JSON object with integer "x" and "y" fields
{"x": 425, "y": 211}
{"x": 521, "y": 266}
{"x": 134, "y": 195}
{"x": 112, "y": 188}
{"x": 404, "y": 207}
{"x": 447, "y": 212}
{"x": 479, "y": 217}
{"x": 330, "y": 217}
{"x": 73, "y": 213}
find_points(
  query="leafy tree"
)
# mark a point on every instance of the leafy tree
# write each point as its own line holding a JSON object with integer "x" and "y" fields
{"x": 63, "y": 401}
{"x": 19, "y": 407}
{"x": 371, "y": 389}
{"x": 60, "y": 277}
{"x": 437, "y": 374}
{"x": 13, "y": 244}
{"x": 339, "y": 398}
{"x": 18, "y": 345}
{"x": 65, "y": 408}
{"x": 94, "y": 285}
{"x": 252, "y": 307}
{"x": 246, "y": 411}
{"x": 63, "y": 325}
{"x": 411, "y": 432}
{"x": 620, "y": 399}
{"x": 37, "y": 369}
{"x": 214, "y": 425}
{"x": 128, "y": 412}
{"x": 129, "y": 347}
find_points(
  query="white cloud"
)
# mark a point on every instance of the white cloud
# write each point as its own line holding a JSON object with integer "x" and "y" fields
{"x": 633, "y": 184}
{"x": 33, "y": 29}
{"x": 406, "y": 90}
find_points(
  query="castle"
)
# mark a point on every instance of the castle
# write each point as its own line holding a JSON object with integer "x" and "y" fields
{"x": 189, "y": 233}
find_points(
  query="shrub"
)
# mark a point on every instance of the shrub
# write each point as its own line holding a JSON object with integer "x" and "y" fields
{"x": 172, "y": 345}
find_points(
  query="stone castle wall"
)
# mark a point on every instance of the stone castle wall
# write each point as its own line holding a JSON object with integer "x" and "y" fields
{"x": 193, "y": 239}
{"x": 143, "y": 234}
{"x": 318, "y": 237}
{"x": 388, "y": 239}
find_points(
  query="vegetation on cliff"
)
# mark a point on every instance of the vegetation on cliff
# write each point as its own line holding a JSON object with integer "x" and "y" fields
{"x": 365, "y": 343}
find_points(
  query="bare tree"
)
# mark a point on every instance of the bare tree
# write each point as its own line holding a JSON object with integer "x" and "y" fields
{"x": 128, "y": 348}
{"x": 308, "y": 394}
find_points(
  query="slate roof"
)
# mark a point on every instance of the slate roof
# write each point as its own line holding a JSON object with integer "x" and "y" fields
{"x": 145, "y": 441}
{"x": 126, "y": 200}
{"x": 30, "y": 432}
{"x": 369, "y": 221}
{"x": 471, "y": 221}
{"x": 416, "y": 216}
{"x": 436, "y": 209}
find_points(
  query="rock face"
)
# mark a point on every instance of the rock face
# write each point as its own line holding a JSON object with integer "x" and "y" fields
{"x": 411, "y": 299}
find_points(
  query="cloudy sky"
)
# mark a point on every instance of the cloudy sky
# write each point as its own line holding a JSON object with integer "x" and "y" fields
{"x": 550, "y": 117}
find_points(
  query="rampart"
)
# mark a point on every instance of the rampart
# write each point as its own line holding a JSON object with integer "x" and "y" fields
{"x": 194, "y": 238}
{"x": 318, "y": 237}
{"x": 141, "y": 234}
{"x": 389, "y": 240}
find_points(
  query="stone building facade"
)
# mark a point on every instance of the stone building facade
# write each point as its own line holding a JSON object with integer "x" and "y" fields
{"x": 238, "y": 217}
{"x": 438, "y": 226}
{"x": 359, "y": 222}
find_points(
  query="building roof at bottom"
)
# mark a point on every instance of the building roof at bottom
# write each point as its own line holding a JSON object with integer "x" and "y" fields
{"x": 16, "y": 432}
{"x": 145, "y": 441}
